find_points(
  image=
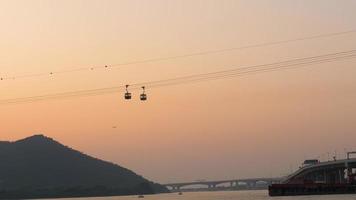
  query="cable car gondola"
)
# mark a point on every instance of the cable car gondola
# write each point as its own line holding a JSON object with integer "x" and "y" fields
{"x": 143, "y": 96}
{"x": 128, "y": 95}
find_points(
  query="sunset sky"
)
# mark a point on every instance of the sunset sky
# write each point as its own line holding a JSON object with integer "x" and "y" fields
{"x": 260, "y": 125}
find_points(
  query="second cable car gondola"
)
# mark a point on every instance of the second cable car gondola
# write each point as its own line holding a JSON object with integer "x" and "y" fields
{"x": 143, "y": 96}
{"x": 128, "y": 95}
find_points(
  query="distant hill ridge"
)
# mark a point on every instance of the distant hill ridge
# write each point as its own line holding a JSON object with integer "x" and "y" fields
{"x": 40, "y": 167}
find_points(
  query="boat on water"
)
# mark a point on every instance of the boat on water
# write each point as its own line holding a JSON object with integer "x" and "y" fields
{"x": 318, "y": 178}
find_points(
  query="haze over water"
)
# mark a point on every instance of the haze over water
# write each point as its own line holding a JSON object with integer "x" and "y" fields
{"x": 261, "y": 125}
{"x": 231, "y": 195}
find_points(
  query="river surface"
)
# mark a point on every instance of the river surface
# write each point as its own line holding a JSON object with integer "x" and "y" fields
{"x": 230, "y": 195}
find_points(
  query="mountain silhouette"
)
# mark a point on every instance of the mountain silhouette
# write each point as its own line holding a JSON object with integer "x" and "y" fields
{"x": 40, "y": 167}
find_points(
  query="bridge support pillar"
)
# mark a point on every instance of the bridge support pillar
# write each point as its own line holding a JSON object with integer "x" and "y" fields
{"x": 251, "y": 185}
{"x": 212, "y": 186}
{"x": 175, "y": 188}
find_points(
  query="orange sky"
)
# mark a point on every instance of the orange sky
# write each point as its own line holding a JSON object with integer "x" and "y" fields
{"x": 258, "y": 125}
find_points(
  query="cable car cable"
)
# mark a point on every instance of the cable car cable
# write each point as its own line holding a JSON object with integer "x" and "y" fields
{"x": 198, "y": 77}
{"x": 334, "y": 34}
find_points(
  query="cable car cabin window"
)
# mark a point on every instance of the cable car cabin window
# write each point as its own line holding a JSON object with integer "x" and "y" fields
{"x": 143, "y": 97}
{"x": 127, "y": 95}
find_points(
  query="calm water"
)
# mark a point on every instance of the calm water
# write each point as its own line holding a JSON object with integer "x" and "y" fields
{"x": 233, "y": 195}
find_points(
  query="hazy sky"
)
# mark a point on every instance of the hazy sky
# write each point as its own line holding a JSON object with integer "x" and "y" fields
{"x": 253, "y": 126}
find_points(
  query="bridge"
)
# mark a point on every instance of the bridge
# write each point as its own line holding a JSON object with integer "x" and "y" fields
{"x": 250, "y": 183}
{"x": 329, "y": 172}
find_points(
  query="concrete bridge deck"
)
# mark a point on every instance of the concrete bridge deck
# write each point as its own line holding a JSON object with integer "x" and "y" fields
{"x": 252, "y": 182}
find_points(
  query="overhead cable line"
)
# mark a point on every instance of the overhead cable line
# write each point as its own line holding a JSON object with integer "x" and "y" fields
{"x": 159, "y": 59}
{"x": 234, "y": 72}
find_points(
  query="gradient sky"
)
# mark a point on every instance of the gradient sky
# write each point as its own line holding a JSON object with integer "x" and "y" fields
{"x": 253, "y": 126}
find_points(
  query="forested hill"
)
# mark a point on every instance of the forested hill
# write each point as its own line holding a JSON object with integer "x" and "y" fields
{"x": 40, "y": 167}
